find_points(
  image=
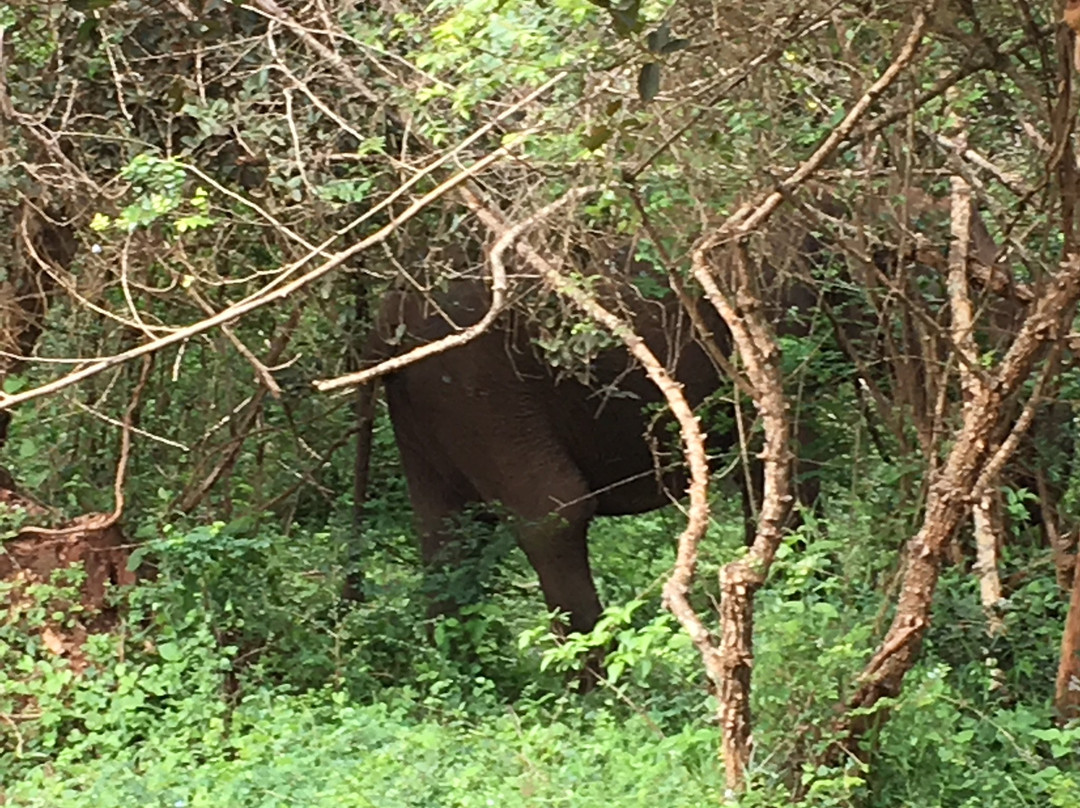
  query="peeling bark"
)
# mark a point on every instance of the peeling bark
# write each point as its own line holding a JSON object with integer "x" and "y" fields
{"x": 742, "y": 310}
{"x": 1067, "y": 690}
{"x": 989, "y": 530}
{"x": 731, "y": 291}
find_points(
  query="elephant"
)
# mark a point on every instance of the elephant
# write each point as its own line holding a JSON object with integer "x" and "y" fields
{"x": 493, "y": 421}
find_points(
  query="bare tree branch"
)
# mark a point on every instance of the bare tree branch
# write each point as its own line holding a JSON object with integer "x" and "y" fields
{"x": 950, "y": 490}
{"x": 741, "y": 309}
{"x": 466, "y": 335}
{"x": 264, "y": 297}
{"x": 105, "y": 521}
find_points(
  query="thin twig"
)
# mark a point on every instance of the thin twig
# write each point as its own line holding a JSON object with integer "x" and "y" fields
{"x": 105, "y": 521}
{"x": 261, "y": 370}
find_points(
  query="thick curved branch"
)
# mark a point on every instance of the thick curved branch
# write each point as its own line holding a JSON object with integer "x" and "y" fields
{"x": 741, "y": 308}
{"x": 969, "y": 465}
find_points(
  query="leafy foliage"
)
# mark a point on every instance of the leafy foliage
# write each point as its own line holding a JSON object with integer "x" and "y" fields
{"x": 236, "y": 680}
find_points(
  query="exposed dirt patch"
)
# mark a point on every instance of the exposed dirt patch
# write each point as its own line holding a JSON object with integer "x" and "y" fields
{"x": 90, "y": 542}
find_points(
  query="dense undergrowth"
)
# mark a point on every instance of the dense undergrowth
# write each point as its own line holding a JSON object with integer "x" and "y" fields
{"x": 237, "y": 679}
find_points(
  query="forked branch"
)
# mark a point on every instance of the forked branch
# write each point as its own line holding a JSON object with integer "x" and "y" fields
{"x": 721, "y": 266}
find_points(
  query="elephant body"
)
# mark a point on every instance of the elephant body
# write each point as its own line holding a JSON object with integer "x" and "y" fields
{"x": 491, "y": 421}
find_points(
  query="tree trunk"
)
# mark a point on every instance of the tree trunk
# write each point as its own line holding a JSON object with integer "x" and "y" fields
{"x": 1067, "y": 692}
{"x": 969, "y": 469}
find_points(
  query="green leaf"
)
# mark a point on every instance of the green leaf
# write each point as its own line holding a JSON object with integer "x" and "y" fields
{"x": 89, "y": 5}
{"x": 625, "y": 19}
{"x": 135, "y": 559}
{"x": 658, "y": 39}
{"x": 87, "y": 29}
{"x": 13, "y": 384}
{"x": 169, "y": 651}
{"x": 826, "y": 609}
{"x": 964, "y": 736}
{"x": 196, "y": 222}
{"x": 615, "y": 669}
{"x": 649, "y": 81}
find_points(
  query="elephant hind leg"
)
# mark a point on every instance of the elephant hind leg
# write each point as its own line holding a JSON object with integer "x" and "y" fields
{"x": 557, "y": 548}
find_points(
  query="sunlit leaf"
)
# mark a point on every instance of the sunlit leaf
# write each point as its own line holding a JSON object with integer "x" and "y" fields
{"x": 597, "y": 137}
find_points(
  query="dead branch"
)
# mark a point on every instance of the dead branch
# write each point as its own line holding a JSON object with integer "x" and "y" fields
{"x": 69, "y": 286}
{"x": 279, "y": 288}
{"x": 706, "y": 338}
{"x": 1067, "y": 686}
{"x": 268, "y": 8}
{"x": 142, "y": 433}
{"x": 101, "y": 522}
{"x": 731, "y": 83}
{"x": 960, "y": 147}
{"x": 963, "y": 312}
{"x": 753, "y": 337}
{"x": 987, "y": 538}
{"x": 989, "y": 533}
{"x": 740, "y": 307}
{"x": 195, "y": 494}
{"x": 677, "y": 587}
{"x": 1008, "y": 447}
{"x": 262, "y": 372}
{"x": 751, "y": 216}
{"x": 968, "y": 464}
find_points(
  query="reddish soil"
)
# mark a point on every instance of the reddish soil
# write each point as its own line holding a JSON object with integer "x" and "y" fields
{"x": 90, "y": 541}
